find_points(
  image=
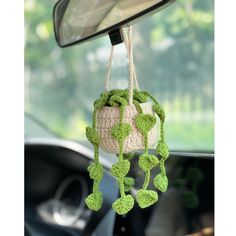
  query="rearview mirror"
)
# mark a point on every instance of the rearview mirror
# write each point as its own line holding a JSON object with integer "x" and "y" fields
{"x": 76, "y": 21}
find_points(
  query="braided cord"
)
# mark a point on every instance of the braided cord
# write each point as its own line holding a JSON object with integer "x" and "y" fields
{"x": 108, "y": 77}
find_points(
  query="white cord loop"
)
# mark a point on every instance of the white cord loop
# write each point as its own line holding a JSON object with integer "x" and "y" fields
{"x": 132, "y": 72}
{"x": 129, "y": 48}
{"x": 108, "y": 78}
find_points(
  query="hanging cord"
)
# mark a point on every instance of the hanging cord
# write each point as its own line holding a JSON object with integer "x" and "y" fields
{"x": 132, "y": 72}
{"x": 129, "y": 44}
{"x": 107, "y": 81}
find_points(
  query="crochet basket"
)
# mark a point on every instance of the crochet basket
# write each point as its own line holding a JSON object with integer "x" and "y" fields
{"x": 108, "y": 117}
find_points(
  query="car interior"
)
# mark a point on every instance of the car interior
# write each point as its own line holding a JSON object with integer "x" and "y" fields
{"x": 65, "y": 66}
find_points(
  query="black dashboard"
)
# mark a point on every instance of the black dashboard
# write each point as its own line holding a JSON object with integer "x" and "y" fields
{"x": 57, "y": 182}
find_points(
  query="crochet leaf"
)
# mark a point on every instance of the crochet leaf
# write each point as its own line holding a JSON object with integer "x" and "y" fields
{"x": 94, "y": 201}
{"x": 101, "y": 102}
{"x": 128, "y": 183}
{"x": 162, "y": 150}
{"x": 123, "y": 204}
{"x": 145, "y": 122}
{"x": 121, "y": 131}
{"x": 95, "y": 171}
{"x": 117, "y": 101}
{"x": 120, "y": 92}
{"x": 146, "y": 198}
{"x": 161, "y": 182}
{"x": 140, "y": 96}
{"x": 147, "y": 161}
{"x": 92, "y": 136}
{"x": 159, "y": 111}
{"x": 117, "y": 92}
{"x": 120, "y": 169}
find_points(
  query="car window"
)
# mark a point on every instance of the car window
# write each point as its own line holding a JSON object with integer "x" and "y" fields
{"x": 173, "y": 53}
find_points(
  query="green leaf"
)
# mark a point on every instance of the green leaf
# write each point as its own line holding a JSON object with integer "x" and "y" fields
{"x": 94, "y": 201}
{"x": 128, "y": 183}
{"x": 145, "y": 122}
{"x": 161, "y": 182}
{"x": 92, "y": 136}
{"x": 120, "y": 169}
{"x": 121, "y": 131}
{"x": 146, "y": 198}
{"x": 162, "y": 150}
{"x": 159, "y": 111}
{"x": 101, "y": 102}
{"x": 123, "y": 204}
{"x": 140, "y": 96}
{"x": 147, "y": 161}
{"x": 117, "y": 101}
{"x": 95, "y": 171}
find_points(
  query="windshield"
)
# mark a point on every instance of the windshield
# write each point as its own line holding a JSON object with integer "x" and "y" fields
{"x": 173, "y": 53}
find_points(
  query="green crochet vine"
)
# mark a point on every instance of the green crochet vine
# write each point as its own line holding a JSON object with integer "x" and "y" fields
{"x": 120, "y": 131}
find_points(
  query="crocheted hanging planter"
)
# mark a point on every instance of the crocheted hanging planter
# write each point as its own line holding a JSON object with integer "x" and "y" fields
{"x": 125, "y": 121}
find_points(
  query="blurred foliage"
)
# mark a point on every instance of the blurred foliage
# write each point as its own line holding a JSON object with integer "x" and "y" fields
{"x": 173, "y": 52}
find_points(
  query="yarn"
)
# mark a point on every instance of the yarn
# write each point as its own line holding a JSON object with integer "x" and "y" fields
{"x": 92, "y": 136}
{"x": 128, "y": 183}
{"x": 146, "y": 198}
{"x": 123, "y": 204}
{"x": 145, "y": 122}
{"x": 102, "y": 101}
{"x": 147, "y": 161}
{"x": 160, "y": 112}
{"x": 117, "y": 101}
{"x": 140, "y": 96}
{"x": 95, "y": 171}
{"x": 121, "y": 131}
{"x": 120, "y": 169}
{"x": 162, "y": 150}
{"x": 94, "y": 201}
{"x": 161, "y": 182}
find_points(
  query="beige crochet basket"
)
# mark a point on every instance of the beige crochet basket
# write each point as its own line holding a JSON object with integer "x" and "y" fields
{"x": 107, "y": 117}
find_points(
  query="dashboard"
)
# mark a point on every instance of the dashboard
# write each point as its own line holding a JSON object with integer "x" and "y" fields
{"x": 57, "y": 182}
